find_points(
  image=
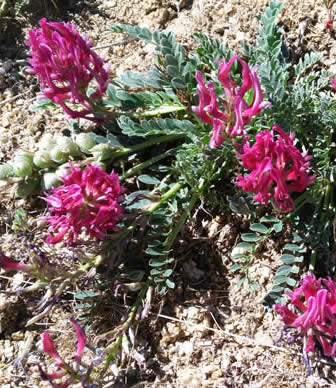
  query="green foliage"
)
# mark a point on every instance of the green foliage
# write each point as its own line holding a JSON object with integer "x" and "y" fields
{"x": 250, "y": 245}
{"x": 301, "y": 102}
{"x": 20, "y": 219}
{"x": 14, "y": 7}
{"x": 178, "y": 69}
{"x": 211, "y": 50}
{"x": 286, "y": 275}
{"x": 156, "y": 127}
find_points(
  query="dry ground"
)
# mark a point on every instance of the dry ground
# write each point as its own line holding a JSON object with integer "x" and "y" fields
{"x": 236, "y": 347}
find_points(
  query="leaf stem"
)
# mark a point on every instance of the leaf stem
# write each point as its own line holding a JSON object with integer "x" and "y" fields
{"x": 146, "y": 144}
{"x": 172, "y": 236}
{"x": 112, "y": 351}
{"x": 147, "y": 163}
{"x": 163, "y": 199}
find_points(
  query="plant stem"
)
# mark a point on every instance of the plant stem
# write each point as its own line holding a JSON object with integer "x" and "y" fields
{"x": 146, "y": 164}
{"x": 166, "y": 196}
{"x": 172, "y": 236}
{"x": 111, "y": 352}
{"x": 146, "y": 144}
{"x": 312, "y": 261}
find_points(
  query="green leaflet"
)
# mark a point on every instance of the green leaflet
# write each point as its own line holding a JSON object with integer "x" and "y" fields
{"x": 155, "y": 127}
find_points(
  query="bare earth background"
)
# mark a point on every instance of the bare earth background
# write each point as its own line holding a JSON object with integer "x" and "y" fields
{"x": 174, "y": 354}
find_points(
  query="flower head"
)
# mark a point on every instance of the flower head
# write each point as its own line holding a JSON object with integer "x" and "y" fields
{"x": 313, "y": 313}
{"x": 228, "y": 115}
{"x": 278, "y": 169}
{"x": 65, "y": 64}
{"x": 333, "y": 84}
{"x": 88, "y": 200}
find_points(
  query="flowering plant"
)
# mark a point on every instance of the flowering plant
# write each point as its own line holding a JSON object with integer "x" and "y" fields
{"x": 157, "y": 145}
{"x": 50, "y": 349}
{"x": 278, "y": 169}
{"x": 65, "y": 64}
{"x": 233, "y": 113}
{"x": 313, "y": 313}
{"x": 88, "y": 199}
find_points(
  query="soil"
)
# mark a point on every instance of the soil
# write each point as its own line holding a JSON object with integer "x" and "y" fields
{"x": 205, "y": 333}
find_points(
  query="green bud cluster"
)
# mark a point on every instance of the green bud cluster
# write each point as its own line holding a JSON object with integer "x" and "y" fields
{"x": 43, "y": 169}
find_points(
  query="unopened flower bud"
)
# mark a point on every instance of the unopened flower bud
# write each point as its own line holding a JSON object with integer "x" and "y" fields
{"x": 22, "y": 168}
{"x": 62, "y": 170}
{"x": 28, "y": 187}
{"x": 57, "y": 155}
{"x": 23, "y": 156}
{"x": 50, "y": 180}
{"x": 42, "y": 159}
{"x": 67, "y": 145}
{"x": 102, "y": 151}
{"x": 85, "y": 142}
{"x": 6, "y": 171}
{"x": 47, "y": 142}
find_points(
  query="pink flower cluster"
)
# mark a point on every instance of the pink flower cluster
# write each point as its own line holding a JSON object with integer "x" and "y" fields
{"x": 314, "y": 313}
{"x": 50, "y": 349}
{"x": 88, "y": 199}
{"x": 65, "y": 65}
{"x": 277, "y": 169}
{"x": 230, "y": 116}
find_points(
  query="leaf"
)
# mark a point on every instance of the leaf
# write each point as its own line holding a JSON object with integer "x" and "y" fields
{"x": 254, "y": 286}
{"x": 291, "y": 259}
{"x": 170, "y": 284}
{"x": 239, "y": 204}
{"x": 41, "y": 104}
{"x": 240, "y": 282}
{"x": 280, "y": 279}
{"x": 178, "y": 83}
{"x": 277, "y": 289}
{"x": 82, "y": 306}
{"x": 155, "y": 127}
{"x": 86, "y": 294}
{"x": 155, "y": 252}
{"x": 278, "y": 227}
{"x": 294, "y": 248}
{"x": 167, "y": 273}
{"x": 155, "y": 263}
{"x": 245, "y": 245}
{"x": 149, "y": 180}
{"x": 240, "y": 256}
{"x": 259, "y": 228}
{"x": 155, "y": 271}
{"x": 291, "y": 282}
{"x": 236, "y": 267}
{"x": 252, "y": 237}
{"x": 285, "y": 270}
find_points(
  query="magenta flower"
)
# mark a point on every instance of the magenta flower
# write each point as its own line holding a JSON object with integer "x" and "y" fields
{"x": 50, "y": 349}
{"x": 65, "y": 65}
{"x": 88, "y": 200}
{"x": 10, "y": 265}
{"x": 228, "y": 115}
{"x": 333, "y": 84}
{"x": 278, "y": 169}
{"x": 313, "y": 315}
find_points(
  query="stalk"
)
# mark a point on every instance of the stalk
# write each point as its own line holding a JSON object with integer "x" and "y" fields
{"x": 147, "y": 163}
{"x": 112, "y": 351}
{"x": 146, "y": 144}
{"x": 172, "y": 236}
{"x": 166, "y": 196}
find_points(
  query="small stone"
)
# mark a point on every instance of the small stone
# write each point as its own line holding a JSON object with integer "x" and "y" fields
{"x": 17, "y": 336}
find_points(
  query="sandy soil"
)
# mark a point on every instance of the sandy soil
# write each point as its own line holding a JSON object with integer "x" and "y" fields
{"x": 206, "y": 334}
